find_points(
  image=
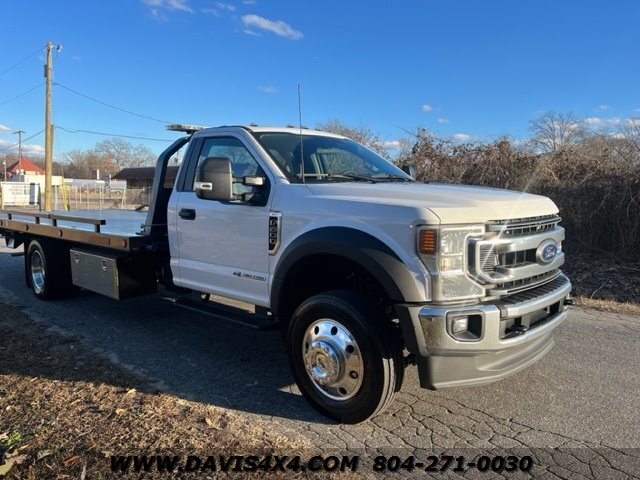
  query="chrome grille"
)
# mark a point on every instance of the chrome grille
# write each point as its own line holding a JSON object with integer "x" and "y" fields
{"x": 489, "y": 259}
{"x": 525, "y": 283}
{"x": 517, "y": 227}
{"x": 506, "y": 258}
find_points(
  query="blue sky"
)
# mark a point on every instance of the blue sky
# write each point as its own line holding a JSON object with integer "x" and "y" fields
{"x": 462, "y": 68}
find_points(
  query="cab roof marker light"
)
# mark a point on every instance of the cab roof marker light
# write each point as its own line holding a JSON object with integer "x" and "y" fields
{"x": 180, "y": 127}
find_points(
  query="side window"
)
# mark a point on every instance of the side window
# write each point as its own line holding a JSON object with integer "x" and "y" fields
{"x": 243, "y": 163}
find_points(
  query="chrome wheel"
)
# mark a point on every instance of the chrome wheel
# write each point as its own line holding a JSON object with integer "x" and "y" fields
{"x": 37, "y": 271}
{"x": 332, "y": 359}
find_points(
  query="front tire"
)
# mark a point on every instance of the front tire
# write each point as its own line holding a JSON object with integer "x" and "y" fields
{"x": 346, "y": 356}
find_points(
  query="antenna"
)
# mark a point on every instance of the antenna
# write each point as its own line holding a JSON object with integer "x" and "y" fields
{"x": 301, "y": 143}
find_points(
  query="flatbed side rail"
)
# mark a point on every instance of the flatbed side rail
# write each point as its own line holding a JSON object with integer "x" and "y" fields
{"x": 32, "y": 223}
{"x": 37, "y": 216}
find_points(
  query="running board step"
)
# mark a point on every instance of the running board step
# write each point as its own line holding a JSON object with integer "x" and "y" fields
{"x": 226, "y": 313}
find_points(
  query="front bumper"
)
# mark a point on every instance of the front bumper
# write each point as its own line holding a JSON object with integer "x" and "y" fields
{"x": 511, "y": 334}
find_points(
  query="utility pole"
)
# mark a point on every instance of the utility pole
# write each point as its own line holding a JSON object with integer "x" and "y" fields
{"x": 48, "y": 131}
{"x": 19, "y": 133}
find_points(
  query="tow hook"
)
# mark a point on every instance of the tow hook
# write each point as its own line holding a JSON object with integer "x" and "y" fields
{"x": 516, "y": 330}
{"x": 569, "y": 301}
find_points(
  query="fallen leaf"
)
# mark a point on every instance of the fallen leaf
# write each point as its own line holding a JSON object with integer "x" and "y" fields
{"x": 42, "y": 454}
{"x": 4, "y": 469}
{"x": 208, "y": 421}
{"x": 120, "y": 411}
{"x": 70, "y": 460}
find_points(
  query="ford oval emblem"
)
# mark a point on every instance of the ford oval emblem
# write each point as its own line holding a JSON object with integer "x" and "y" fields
{"x": 547, "y": 252}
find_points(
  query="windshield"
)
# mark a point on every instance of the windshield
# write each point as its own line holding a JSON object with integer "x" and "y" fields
{"x": 327, "y": 159}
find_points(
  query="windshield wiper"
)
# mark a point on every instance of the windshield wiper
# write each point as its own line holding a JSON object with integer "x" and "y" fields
{"x": 357, "y": 178}
{"x": 339, "y": 176}
{"x": 391, "y": 177}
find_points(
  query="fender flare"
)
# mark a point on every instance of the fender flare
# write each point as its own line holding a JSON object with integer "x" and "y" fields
{"x": 355, "y": 245}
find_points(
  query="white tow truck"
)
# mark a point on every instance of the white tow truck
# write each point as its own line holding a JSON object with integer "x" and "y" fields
{"x": 363, "y": 269}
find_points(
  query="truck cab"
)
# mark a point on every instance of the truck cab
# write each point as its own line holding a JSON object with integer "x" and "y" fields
{"x": 365, "y": 268}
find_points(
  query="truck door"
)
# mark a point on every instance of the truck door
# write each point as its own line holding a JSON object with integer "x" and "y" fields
{"x": 221, "y": 247}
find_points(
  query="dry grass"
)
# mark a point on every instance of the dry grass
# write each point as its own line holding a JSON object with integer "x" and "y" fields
{"x": 626, "y": 308}
{"x": 65, "y": 409}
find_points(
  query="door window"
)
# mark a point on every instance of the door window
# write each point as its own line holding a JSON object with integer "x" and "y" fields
{"x": 242, "y": 162}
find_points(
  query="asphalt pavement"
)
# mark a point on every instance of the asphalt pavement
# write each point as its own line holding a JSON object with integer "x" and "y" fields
{"x": 577, "y": 409}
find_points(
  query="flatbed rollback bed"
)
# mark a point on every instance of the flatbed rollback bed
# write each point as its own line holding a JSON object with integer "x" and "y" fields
{"x": 117, "y": 253}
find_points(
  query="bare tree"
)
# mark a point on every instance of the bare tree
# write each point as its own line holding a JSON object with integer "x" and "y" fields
{"x": 556, "y": 132}
{"x": 631, "y": 131}
{"x": 120, "y": 154}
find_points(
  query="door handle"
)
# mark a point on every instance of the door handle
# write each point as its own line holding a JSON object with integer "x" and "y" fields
{"x": 187, "y": 213}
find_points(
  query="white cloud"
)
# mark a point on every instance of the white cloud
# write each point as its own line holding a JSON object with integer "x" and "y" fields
{"x": 427, "y": 108}
{"x": 278, "y": 27}
{"x": 181, "y": 5}
{"x": 4, "y": 128}
{"x": 268, "y": 89}
{"x": 442, "y": 121}
{"x": 602, "y": 107}
{"x": 392, "y": 144}
{"x": 633, "y": 122}
{"x": 226, "y": 6}
{"x": 158, "y": 6}
{"x": 32, "y": 149}
{"x": 28, "y": 149}
{"x": 461, "y": 137}
{"x": 601, "y": 122}
{"x": 219, "y": 8}
{"x": 593, "y": 121}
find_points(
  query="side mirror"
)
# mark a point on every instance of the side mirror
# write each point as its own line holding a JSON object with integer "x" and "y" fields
{"x": 215, "y": 179}
{"x": 410, "y": 170}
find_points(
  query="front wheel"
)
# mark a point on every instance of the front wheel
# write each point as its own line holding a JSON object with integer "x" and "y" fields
{"x": 345, "y": 355}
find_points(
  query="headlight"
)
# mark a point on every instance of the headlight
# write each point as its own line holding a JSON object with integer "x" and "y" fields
{"x": 444, "y": 252}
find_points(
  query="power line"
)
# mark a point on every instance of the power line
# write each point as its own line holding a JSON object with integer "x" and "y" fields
{"x": 111, "y": 106}
{"x": 23, "y": 140}
{"x": 92, "y": 132}
{"x": 21, "y": 94}
{"x": 21, "y": 61}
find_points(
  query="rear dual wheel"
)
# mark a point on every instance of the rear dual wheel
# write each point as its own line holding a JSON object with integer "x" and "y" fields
{"x": 48, "y": 270}
{"x": 345, "y": 355}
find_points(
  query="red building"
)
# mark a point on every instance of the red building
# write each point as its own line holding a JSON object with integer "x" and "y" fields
{"x": 25, "y": 167}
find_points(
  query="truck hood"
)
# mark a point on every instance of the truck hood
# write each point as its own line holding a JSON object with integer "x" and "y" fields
{"x": 450, "y": 203}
